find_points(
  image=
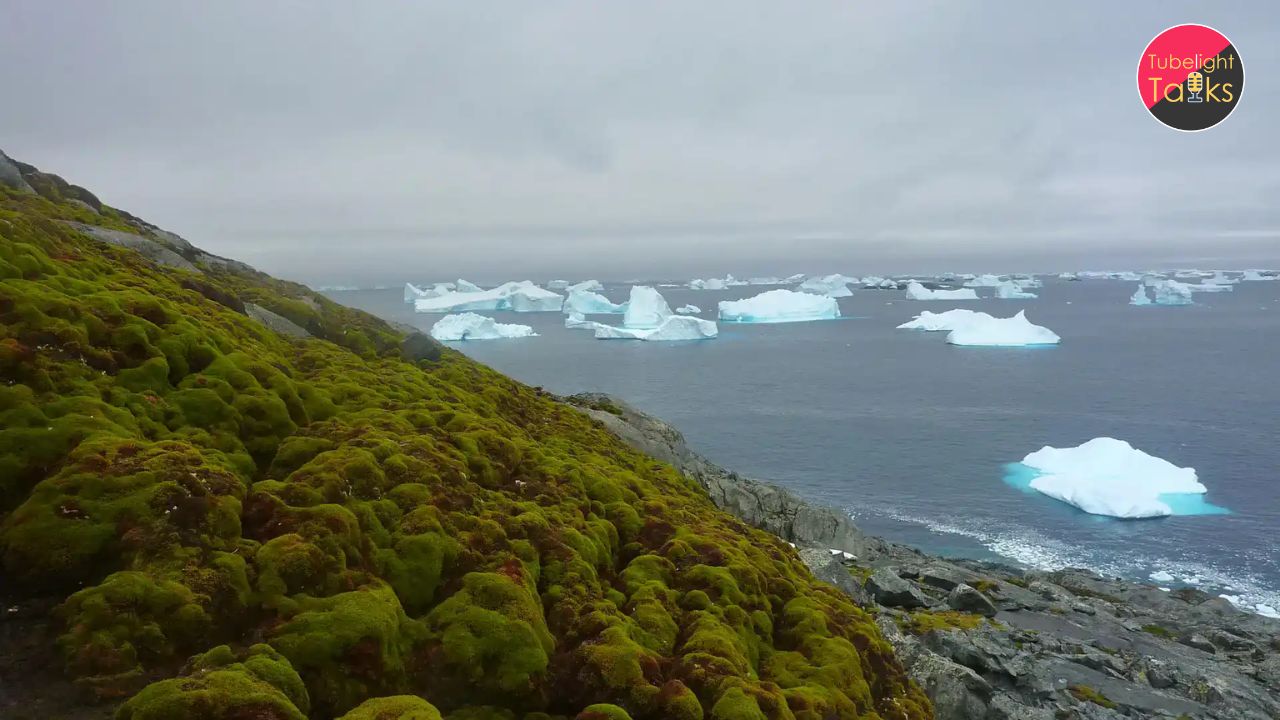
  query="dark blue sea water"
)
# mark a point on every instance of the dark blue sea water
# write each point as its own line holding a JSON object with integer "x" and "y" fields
{"x": 913, "y": 436}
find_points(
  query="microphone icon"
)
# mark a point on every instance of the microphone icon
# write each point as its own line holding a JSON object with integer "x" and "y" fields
{"x": 1195, "y": 83}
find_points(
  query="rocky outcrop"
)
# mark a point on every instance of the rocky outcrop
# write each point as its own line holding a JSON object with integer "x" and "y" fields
{"x": 145, "y": 246}
{"x": 11, "y": 176}
{"x": 994, "y": 642}
{"x": 275, "y": 321}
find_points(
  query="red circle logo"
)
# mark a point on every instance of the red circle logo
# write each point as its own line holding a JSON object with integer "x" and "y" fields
{"x": 1190, "y": 77}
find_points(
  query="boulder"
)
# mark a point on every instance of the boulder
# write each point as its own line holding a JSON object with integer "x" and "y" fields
{"x": 886, "y": 588}
{"x": 968, "y": 599}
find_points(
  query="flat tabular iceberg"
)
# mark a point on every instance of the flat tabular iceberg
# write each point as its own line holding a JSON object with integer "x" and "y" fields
{"x": 646, "y": 308}
{"x": 1010, "y": 290}
{"x": 413, "y": 292}
{"x": 916, "y": 291}
{"x": 689, "y": 310}
{"x": 587, "y": 303}
{"x": 1206, "y": 286}
{"x": 779, "y": 306}
{"x": 949, "y": 320}
{"x": 1139, "y": 296}
{"x": 470, "y": 326}
{"x": 836, "y": 286}
{"x": 1015, "y": 331}
{"x": 673, "y": 327}
{"x": 1256, "y": 276}
{"x": 521, "y": 296}
{"x": 1106, "y": 476}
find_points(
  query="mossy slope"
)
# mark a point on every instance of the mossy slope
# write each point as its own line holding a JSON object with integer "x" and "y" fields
{"x": 193, "y": 483}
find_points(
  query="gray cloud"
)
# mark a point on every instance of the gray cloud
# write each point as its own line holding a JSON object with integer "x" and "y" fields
{"x": 376, "y": 142}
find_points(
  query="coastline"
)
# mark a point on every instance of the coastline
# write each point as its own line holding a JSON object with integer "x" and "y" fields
{"x": 993, "y": 640}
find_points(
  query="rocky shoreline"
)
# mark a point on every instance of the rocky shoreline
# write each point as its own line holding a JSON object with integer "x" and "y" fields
{"x": 996, "y": 642}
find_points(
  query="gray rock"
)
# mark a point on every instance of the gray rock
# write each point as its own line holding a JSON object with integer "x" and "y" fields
{"x": 829, "y": 569}
{"x": 957, "y": 692}
{"x": 148, "y": 248}
{"x": 1199, "y": 642}
{"x": 420, "y": 346}
{"x": 967, "y": 599}
{"x": 888, "y": 589}
{"x": 274, "y": 321}
{"x": 11, "y": 176}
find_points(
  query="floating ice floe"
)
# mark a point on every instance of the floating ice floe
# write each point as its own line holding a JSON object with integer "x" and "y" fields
{"x": 1219, "y": 278}
{"x": 470, "y": 326}
{"x": 872, "y": 282}
{"x": 689, "y": 310}
{"x": 1206, "y": 286}
{"x": 983, "y": 281}
{"x": 588, "y": 303}
{"x": 779, "y": 306}
{"x": 935, "y": 322}
{"x": 835, "y": 286}
{"x": 646, "y": 308}
{"x": 1139, "y": 296}
{"x": 916, "y": 291}
{"x": 521, "y": 296}
{"x": 1010, "y": 290}
{"x": 673, "y": 327}
{"x": 1106, "y": 476}
{"x": 990, "y": 331}
{"x": 1171, "y": 292}
{"x": 715, "y": 283}
{"x": 1162, "y": 576}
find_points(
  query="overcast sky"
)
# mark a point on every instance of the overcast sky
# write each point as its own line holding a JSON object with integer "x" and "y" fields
{"x": 378, "y": 142}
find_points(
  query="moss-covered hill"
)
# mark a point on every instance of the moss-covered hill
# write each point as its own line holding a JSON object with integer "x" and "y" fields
{"x": 237, "y": 523}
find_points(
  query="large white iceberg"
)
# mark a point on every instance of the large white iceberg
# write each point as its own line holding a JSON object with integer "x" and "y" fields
{"x": 708, "y": 284}
{"x": 1139, "y": 296}
{"x": 793, "y": 279}
{"x": 470, "y": 326}
{"x": 916, "y": 291}
{"x": 646, "y": 308}
{"x": 1219, "y": 278}
{"x": 673, "y": 327}
{"x": 587, "y": 303}
{"x": 836, "y": 286}
{"x": 1106, "y": 476}
{"x": 1010, "y": 290}
{"x": 1256, "y": 276}
{"x": 779, "y": 306}
{"x": 465, "y": 287}
{"x": 1171, "y": 292}
{"x": 413, "y": 292}
{"x": 983, "y": 281}
{"x": 949, "y": 320}
{"x": 521, "y": 296}
{"x": 1016, "y": 331}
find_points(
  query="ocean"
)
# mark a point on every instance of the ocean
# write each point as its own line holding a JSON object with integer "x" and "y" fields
{"x": 913, "y": 437}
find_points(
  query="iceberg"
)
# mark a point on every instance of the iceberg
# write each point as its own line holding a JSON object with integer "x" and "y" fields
{"x": 835, "y": 286}
{"x": 646, "y": 308}
{"x": 1025, "y": 280}
{"x": 1206, "y": 286}
{"x": 587, "y": 303}
{"x": 413, "y": 292}
{"x": 521, "y": 296}
{"x": 779, "y": 306}
{"x": 1257, "y": 276}
{"x": 1069, "y": 276}
{"x": 793, "y": 279}
{"x": 770, "y": 280}
{"x": 558, "y": 285}
{"x": 1171, "y": 292}
{"x": 1106, "y": 476}
{"x": 1219, "y": 278}
{"x": 465, "y": 287}
{"x": 470, "y": 326}
{"x": 916, "y": 291}
{"x": 708, "y": 284}
{"x": 873, "y": 282}
{"x": 949, "y": 320}
{"x": 586, "y": 285}
{"x": 1016, "y": 331}
{"x": 1010, "y": 290}
{"x": 689, "y": 310}
{"x": 1139, "y": 296}
{"x": 673, "y": 327}
{"x": 578, "y": 321}
{"x": 983, "y": 281}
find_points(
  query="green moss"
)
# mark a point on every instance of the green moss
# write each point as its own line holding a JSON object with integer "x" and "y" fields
{"x": 396, "y": 707}
{"x": 1084, "y": 693}
{"x": 602, "y": 711}
{"x": 921, "y": 622}
{"x": 1159, "y": 631}
{"x": 187, "y": 477}
{"x": 217, "y": 687}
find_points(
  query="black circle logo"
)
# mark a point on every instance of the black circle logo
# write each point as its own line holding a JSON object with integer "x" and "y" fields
{"x": 1190, "y": 77}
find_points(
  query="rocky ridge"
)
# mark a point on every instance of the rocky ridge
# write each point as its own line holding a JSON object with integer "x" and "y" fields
{"x": 995, "y": 642}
